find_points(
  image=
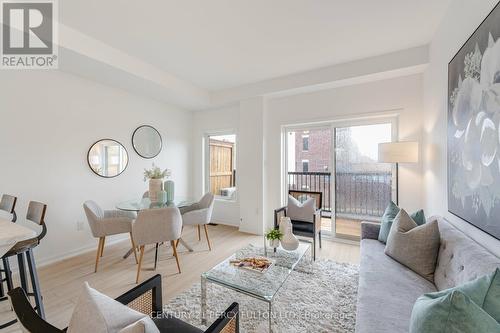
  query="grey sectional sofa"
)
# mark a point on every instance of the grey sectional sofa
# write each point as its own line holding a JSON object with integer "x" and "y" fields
{"x": 387, "y": 290}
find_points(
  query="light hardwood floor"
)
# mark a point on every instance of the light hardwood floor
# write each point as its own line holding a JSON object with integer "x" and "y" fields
{"x": 62, "y": 282}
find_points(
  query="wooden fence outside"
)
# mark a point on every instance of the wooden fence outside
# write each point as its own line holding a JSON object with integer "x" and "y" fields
{"x": 221, "y": 165}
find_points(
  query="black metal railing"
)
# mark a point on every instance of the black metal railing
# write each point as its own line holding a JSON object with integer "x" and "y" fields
{"x": 358, "y": 194}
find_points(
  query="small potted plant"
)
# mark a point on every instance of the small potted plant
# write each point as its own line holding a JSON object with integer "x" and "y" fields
{"x": 155, "y": 176}
{"x": 273, "y": 237}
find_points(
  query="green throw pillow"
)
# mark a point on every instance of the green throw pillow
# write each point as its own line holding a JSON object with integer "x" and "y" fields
{"x": 453, "y": 312}
{"x": 390, "y": 213}
{"x": 471, "y": 307}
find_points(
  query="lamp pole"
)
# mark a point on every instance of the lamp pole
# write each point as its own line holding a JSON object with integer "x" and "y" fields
{"x": 397, "y": 184}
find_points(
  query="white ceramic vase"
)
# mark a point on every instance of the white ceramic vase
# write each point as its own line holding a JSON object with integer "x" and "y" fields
{"x": 289, "y": 242}
{"x": 274, "y": 243}
{"x": 155, "y": 186}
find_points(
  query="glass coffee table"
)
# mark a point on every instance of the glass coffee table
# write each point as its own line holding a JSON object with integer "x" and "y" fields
{"x": 262, "y": 286}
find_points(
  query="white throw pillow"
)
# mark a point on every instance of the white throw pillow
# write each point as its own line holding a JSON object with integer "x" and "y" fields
{"x": 301, "y": 211}
{"x": 98, "y": 313}
{"x": 137, "y": 327}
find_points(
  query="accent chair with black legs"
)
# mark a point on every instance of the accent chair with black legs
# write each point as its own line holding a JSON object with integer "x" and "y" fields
{"x": 145, "y": 298}
{"x": 305, "y": 215}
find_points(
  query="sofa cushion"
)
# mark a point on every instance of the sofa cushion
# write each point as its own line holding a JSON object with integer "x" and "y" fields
{"x": 414, "y": 246}
{"x": 460, "y": 258}
{"x": 387, "y": 291}
{"x": 298, "y": 211}
{"x": 390, "y": 214}
{"x": 450, "y": 311}
{"x": 98, "y": 313}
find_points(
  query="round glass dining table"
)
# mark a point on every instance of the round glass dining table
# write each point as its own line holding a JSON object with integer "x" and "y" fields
{"x": 136, "y": 205}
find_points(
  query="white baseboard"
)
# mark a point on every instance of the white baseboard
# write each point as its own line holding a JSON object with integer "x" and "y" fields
{"x": 76, "y": 252}
{"x": 57, "y": 258}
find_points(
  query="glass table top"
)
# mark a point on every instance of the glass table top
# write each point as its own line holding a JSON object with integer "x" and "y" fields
{"x": 262, "y": 285}
{"x": 136, "y": 205}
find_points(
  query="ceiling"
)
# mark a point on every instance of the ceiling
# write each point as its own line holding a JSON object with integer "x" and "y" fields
{"x": 219, "y": 44}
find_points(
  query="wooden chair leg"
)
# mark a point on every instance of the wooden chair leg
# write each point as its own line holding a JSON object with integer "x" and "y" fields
{"x": 176, "y": 256}
{"x": 199, "y": 233}
{"x": 102, "y": 247}
{"x": 99, "y": 246}
{"x": 208, "y": 240}
{"x": 139, "y": 264}
{"x": 134, "y": 248}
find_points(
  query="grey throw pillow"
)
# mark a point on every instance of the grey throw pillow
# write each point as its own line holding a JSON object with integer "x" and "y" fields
{"x": 414, "y": 246}
{"x": 298, "y": 211}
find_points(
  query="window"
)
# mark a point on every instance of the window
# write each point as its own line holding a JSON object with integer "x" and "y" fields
{"x": 305, "y": 142}
{"x": 221, "y": 166}
{"x": 305, "y": 165}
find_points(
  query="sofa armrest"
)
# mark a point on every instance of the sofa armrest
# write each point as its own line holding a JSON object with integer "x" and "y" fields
{"x": 369, "y": 230}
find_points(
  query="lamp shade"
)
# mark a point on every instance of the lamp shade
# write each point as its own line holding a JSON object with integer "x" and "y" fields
{"x": 398, "y": 152}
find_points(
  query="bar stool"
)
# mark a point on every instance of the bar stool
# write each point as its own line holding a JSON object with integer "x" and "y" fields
{"x": 36, "y": 213}
{"x": 7, "y": 204}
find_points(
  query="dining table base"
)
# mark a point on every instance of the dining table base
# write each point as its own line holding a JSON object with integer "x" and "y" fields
{"x": 181, "y": 241}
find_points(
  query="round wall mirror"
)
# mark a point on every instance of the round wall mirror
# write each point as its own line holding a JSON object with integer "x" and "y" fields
{"x": 146, "y": 141}
{"x": 107, "y": 158}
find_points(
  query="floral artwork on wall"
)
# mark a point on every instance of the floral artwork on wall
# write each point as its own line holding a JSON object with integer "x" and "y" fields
{"x": 474, "y": 128}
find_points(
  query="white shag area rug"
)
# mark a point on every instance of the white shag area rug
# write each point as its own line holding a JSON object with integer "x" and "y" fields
{"x": 324, "y": 301}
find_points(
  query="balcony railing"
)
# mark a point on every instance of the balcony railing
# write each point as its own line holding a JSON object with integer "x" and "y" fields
{"x": 357, "y": 194}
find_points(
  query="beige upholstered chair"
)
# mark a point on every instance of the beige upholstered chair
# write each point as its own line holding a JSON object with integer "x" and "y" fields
{"x": 200, "y": 214}
{"x": 106, "y": 223}
{"x": 154, "y": 226}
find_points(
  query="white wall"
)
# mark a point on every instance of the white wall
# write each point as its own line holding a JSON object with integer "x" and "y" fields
{"x": 207, "y": 122}
{"x": 401, "y": 96}
{"x": 462, "y": 18}
{"x": 259, "y": 124}
{"x": 49, "y": 121}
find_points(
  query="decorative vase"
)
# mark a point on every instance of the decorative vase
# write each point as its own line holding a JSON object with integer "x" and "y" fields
{"x": 274, "y": 243}
{"x": 162, "y": 197}
{"x": 155, "y": 186}
{"x": 170, "y": 189}
{"x": 289, "y": 242}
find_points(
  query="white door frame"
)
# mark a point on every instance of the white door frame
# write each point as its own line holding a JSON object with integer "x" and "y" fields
{"x": 391, "y": 117}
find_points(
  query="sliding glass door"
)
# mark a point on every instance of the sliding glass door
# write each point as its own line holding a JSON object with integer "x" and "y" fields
{"x": 363, "y": 187}
{"x": 309, "y": 165}
{"x": 340, "y": 161}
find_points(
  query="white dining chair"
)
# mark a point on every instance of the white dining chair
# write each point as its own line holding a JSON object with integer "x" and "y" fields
{"x": 105, "y": 223}
{"x": 200, "y": 214}
{"x": 154, "y": 226}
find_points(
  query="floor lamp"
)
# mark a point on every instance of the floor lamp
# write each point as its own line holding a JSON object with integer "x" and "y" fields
{"x": 398, "y": 152}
